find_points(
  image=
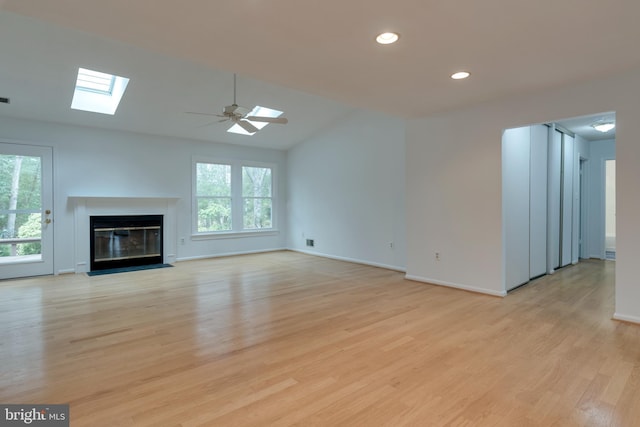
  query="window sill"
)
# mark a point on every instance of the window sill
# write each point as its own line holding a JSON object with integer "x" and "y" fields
{"x": 234, "y": 234}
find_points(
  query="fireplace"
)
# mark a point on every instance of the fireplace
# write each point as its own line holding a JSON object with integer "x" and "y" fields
{"x": 125, "y": 241}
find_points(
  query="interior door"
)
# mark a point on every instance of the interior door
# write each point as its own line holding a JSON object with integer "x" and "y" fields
{"x": 610, "y": 210}
{"x": 566, "y": 224}
{"x": 554, "y": 200}
{"x": 515, "y": 205}
{"x": 538, "y": 201}
{"x": 26, "y": 210}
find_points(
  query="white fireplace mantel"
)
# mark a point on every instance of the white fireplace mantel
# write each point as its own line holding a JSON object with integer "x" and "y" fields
{"x": 86, "y": 206}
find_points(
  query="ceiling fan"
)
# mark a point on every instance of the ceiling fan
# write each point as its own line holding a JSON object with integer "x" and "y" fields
{"x": 244, "y": 117}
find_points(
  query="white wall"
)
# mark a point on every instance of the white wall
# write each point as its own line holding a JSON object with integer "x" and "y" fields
{"x": 346, "y": 191}
{"x": 93, "y": 162}
{"x": 600, "y": 151}
{"x": 453, "y": 184}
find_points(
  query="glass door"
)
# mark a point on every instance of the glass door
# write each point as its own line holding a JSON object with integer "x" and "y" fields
{"x": 26, "y": 203}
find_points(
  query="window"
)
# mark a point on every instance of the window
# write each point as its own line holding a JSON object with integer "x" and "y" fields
{"x": 233, "y": 197}
{"x": 95, "y": 81}
{"x": 98, "y": 92}
{"x": 256, "y": 197}
{"x": 213, "y": 197}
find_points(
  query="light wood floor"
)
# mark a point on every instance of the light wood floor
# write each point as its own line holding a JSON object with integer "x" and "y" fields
{"x": 288, "y": 339}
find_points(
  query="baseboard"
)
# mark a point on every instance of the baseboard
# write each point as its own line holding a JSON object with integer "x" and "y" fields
{"x": 456, "y": 286}
{"x": 226, "y": 254}
{"x": 353, "y": 260}
{"x": 66, "y": 271}
{"x": 625, "y": 318}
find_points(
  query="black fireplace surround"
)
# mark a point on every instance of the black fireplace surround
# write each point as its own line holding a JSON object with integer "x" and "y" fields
{"x": 125, "y": 241}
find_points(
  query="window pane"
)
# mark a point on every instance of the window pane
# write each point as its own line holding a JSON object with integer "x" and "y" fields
{"x": 95, "y": 80}
{"x": 257, "y": 213}
{"x": 20, "y": 183}
{"x": 256, "y": 182}
{"x": 21, "y": 234}
{"x": 214, "y": 214}
{"x": 213, "y": 179}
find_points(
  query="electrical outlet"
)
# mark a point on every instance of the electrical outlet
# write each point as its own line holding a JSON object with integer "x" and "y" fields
{"x": 391, "y": 245}
{"x": 182, "y": 240}
{"x": 437, "y": 256}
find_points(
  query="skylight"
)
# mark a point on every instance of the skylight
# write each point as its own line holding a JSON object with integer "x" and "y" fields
{"x": 98, "y": 92}
{"x": 257, "y": 111}
{"x": 95, "y": 81}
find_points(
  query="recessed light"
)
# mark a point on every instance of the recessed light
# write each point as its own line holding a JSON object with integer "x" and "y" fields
{"x": 460, "y": 75}
{"x": 387, "y": 38}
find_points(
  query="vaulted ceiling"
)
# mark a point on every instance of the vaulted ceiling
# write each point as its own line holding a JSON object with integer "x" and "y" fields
{"x": 315, "y": 60}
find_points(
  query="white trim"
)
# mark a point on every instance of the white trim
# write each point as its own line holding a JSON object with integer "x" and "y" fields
{"x": 625, "y": 318}
{"x": 456, "y": 286}
{"x": 353, "y": 260}
{"x": 210, "y": 256}
{"x": 234, "y": 234}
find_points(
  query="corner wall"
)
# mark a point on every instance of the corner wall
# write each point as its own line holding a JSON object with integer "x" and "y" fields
{"x": 346, "y": 191}
{"x": 454, "y": 175}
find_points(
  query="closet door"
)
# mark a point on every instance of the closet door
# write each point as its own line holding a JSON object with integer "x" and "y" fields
{"x": 538, "y": 201}
{"x": 567, "y": 200}
{"x": 554, "y": 199}
{"x": 515, "y": 205}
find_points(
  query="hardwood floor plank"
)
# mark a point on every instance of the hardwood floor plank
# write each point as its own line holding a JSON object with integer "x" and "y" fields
{"x": 284, "y": 339}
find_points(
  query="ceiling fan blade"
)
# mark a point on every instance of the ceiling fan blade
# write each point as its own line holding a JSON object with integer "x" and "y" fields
{"x": 279, "y": 120}
{"x": 247, "y": 126}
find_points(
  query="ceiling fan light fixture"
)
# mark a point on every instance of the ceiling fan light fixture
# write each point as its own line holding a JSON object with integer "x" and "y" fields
{"x": 603, "y": 126}
{"x": 387, "y": 38}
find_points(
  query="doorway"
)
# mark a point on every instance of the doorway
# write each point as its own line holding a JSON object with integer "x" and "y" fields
{"x": 610, "y": 210}
{"x": 26, "y": 211}
{"x": 554, "y": 174}
{"x": 582, "y": 216}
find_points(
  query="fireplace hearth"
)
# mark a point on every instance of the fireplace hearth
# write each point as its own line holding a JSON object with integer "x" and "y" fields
{"x": 125, "y": 241}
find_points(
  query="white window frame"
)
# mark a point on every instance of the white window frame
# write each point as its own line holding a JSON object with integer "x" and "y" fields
{"x": 237, "y": 220}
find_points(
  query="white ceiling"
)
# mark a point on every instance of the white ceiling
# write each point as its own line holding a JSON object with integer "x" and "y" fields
{"x": 315, "y": 60}
{"x": 583, "y": 126}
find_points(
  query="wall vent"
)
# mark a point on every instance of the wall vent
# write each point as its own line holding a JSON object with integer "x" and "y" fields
{"x": 4, "y": 100}
{"x": 310, "y": 242}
